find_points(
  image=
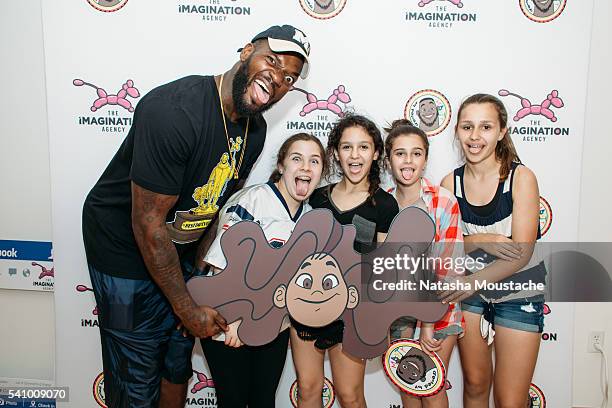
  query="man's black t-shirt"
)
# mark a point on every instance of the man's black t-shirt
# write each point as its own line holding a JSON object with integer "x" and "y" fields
{"x": 176, "y": 146}
{"x": 367, "y": 218}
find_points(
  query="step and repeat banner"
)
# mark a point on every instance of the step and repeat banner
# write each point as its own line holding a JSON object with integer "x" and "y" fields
{"x": 381, "y": 59}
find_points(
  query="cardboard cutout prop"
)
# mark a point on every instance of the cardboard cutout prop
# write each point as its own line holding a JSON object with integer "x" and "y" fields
{"x": 317, "y": 278}
{"x": 412, "y": 370}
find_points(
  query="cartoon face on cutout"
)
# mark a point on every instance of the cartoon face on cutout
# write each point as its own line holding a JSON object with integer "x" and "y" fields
{"x": 317, "y": 294}
{"x": 413, "y": 366}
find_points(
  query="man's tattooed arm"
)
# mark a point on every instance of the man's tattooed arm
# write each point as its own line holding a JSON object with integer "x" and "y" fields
{"x": 149, "y": 212}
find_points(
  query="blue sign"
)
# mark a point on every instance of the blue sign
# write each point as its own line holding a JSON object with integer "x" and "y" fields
{"x": 26, "y": 250}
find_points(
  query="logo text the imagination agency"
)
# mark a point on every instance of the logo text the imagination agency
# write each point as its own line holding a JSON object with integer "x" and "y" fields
{"x": 540, "y": 116}
{"x": 108, "y": 107}
{"x": 440, "y": 14}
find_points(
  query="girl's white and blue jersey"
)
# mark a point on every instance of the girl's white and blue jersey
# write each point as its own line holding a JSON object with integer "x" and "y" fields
{"x": 263, "y": 204}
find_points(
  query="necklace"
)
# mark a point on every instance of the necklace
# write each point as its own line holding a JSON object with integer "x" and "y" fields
{"x": 229, "y": 143}
{"x": 326, "y": 6}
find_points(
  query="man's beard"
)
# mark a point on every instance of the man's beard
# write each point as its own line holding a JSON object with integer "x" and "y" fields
{"x": 239, "y": 88}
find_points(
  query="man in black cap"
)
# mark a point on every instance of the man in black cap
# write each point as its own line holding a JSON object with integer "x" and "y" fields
{"x": 192, "y": 143}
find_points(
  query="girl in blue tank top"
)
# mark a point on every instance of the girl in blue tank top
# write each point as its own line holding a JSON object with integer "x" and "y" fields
{"x": 499, "y": 202}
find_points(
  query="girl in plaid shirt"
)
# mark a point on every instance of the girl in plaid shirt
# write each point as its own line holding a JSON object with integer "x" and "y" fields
{"x": 406, "y": 151}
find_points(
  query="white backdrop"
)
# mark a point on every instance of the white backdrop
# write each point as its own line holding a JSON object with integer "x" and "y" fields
{"x": 379, "y": 54}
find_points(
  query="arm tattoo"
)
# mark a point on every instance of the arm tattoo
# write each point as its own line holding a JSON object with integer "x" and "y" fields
{"x": 149, "y": 212}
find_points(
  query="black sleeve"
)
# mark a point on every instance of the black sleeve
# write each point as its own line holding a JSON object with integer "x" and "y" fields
{"x": 387, "y": 209}
{"x": 163, "y": 141}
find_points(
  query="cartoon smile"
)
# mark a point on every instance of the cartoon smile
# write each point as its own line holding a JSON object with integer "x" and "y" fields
{"x": 317, "y": 302}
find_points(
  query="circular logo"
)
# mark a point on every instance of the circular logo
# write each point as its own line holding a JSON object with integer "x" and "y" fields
{"x": 429, "y": 110}
{"x": 413, "y": 371}
{"x": 328, "y": 394}
{"x": 26, "y": 272}
{"x": 542, "y": 11}
{"x": 322, "y": 9}
{"x": 98, "y": 390}
{"x": 536, "y": 397}
{"x": 107, "y": 5}
{"x": 546, "y": 216}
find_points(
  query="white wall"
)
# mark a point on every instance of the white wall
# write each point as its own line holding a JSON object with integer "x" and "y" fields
{"x": 27, "y": 343}
{"x": 595, "y": 222}
{"x": 27, "y": 318}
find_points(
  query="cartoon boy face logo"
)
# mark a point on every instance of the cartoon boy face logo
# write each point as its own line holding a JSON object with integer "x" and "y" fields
{"x": 542, "y": 11}
{"x": 328, "y": 394}
{"x": 429, "y": 110}
{"x": 545, "y": 216}
{"x": 428, "y": 114}
{"x": 536, "y": 397}
{"x": 414, "y": 366}
{"x": 412, "y": 370}
{"x": 98, "y": 390}
{"x": 107, "y": 5}
{"x": 322, "y": 9}
{"x": 317, "y": 294}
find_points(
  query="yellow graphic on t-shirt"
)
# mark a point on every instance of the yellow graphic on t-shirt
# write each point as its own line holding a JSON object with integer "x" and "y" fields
{"x": 208, "y": 195}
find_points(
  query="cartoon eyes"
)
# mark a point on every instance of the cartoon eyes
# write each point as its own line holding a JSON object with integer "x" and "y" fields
{"x": 304, "y": 281}
{"x": 329, "y": 282}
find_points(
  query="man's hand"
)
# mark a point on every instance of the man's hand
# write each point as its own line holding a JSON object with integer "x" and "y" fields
{"x": 203, "y": 321}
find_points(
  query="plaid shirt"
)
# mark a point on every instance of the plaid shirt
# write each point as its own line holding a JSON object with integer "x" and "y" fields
{"x": 443, "y": 209}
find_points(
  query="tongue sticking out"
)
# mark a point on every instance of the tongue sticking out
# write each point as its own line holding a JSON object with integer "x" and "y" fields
{"x": 407, "y": 174}
{"x": 301, "y": 187}
{"x": 262, "y": 95}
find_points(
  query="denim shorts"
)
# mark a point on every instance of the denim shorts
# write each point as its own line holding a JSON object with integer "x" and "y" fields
{"x": 519, "y": 314}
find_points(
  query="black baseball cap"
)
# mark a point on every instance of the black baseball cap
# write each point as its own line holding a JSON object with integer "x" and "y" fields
{"x": 287, "y": 38}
